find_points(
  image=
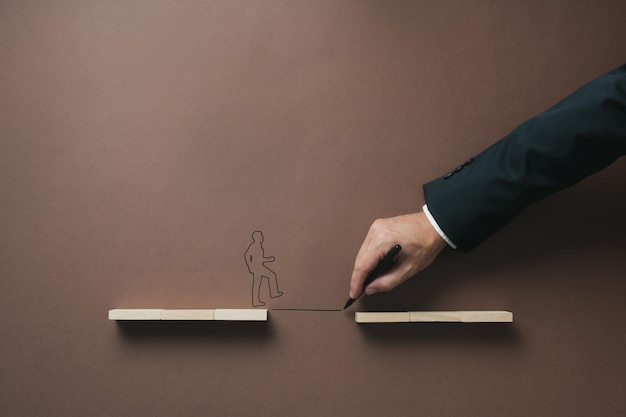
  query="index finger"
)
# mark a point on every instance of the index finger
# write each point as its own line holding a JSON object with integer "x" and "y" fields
{"x": 366, "y": 261}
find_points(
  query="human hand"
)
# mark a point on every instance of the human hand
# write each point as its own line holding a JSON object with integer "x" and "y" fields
{"x": 420, "y": 246}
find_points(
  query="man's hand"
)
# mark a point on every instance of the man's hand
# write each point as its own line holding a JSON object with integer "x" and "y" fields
{"x": 420, "y": 246}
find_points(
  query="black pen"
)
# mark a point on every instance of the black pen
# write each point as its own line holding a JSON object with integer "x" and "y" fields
{"x": 376, "y": 272}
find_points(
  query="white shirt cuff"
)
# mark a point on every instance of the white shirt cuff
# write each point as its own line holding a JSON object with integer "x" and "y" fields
{"x": 432, "y": 221}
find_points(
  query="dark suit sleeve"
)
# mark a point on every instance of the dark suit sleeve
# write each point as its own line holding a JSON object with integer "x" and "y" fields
{"x": 580, "y": 135}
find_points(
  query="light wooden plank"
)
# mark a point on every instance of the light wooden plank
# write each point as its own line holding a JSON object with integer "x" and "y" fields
{"x": 435, "y": 316}
{"x": 241, "y": 314}
{"x": 486, "y": 317}
{"x": 381, "y": 317}
{"x": 187, "y": 314}
{"x": 135, "y": 314}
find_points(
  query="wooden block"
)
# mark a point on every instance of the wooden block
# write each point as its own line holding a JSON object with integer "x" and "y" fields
{"x": 384, "y": 317}
{"x": 241, "y": 314}
{"x": 187, "y": 314}
{"x": 435, "y": 316}
{"x": 486, "y": 317}
{"x": 135, "y": 314}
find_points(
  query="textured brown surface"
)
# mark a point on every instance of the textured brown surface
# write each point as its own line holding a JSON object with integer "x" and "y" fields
{"x": 142, "y": 143}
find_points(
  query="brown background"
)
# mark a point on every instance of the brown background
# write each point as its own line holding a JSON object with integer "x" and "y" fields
{"x": 144, "y": 141}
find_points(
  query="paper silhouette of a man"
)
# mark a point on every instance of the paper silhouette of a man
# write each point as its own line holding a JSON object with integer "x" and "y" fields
{"x": 255, "y": 259}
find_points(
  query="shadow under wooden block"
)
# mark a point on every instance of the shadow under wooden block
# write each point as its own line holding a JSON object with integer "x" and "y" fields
{"x": 207, "y": 332}
{"x": 457, "y": 335}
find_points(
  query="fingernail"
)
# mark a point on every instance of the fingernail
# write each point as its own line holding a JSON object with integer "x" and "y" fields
{"x": 371, "y": 291}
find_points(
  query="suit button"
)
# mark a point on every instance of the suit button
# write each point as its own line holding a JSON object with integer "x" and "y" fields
{"x": 448, "y": 175}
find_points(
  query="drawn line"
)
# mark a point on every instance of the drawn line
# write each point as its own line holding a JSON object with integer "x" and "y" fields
{"x": 303, "y": 309}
